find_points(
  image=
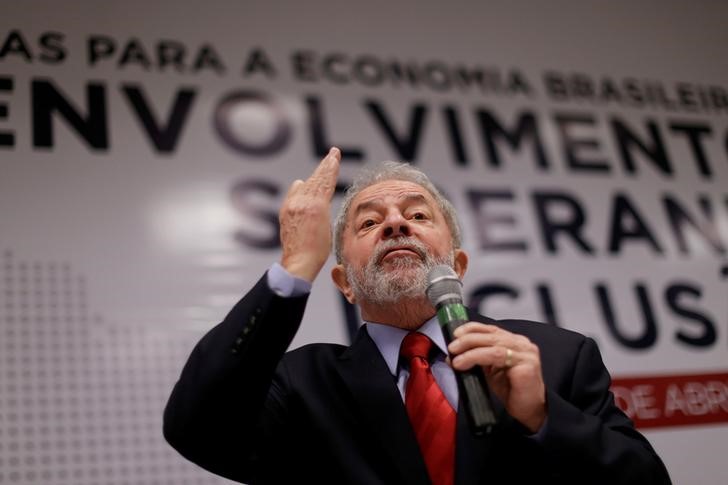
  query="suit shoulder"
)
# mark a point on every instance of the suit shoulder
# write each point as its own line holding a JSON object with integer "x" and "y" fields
{"x": 314, "y": 352}
{"x": 539, "y": 332}
{"x": 539, "y": 327}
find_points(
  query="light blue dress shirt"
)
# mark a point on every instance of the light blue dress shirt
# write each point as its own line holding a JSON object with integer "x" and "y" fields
{"x": 388, "y": 340}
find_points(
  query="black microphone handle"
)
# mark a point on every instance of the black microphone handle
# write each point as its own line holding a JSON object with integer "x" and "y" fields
{"x": 473, "y": 389}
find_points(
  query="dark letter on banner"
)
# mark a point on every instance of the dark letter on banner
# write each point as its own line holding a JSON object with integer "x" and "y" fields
{"x": 241, "y": 196}
{"x": 224, "y": 119}
{"x": 7, "y": 138}
{"x": 649, "y": 335}
{"x": 526, "y": 127}
{"x": 47, "y": 99}
{"x": 656, "y": 152}
{"x": 163, "y": 137}
{"x": 571, "y": 226}
{"x": 673, "y": 296}
{"x": 706, "y": 228}
{"x": 406, "y": 146}
{"x": 628, "y": 224}
{"x": 573, "y": 145}
{"x": 485, "y": 221}
{"x": 321, "y": 143}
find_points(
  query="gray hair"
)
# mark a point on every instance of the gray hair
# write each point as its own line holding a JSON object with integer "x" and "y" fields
{"x": 392, "y": 171}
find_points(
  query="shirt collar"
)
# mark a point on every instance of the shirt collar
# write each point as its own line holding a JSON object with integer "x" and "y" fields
{"x": 388, "y": 339}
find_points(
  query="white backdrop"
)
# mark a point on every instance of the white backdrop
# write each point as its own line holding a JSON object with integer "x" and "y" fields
{"x": 145, "y": 149}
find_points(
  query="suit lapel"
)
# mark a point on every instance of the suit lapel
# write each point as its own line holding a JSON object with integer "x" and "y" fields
{"x": 375, "y": 392}
{"x": 472, "y": 453}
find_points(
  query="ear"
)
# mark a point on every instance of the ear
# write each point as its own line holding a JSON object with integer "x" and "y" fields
{"x": 461, "y": 262}
{"x": 338, "y": 275}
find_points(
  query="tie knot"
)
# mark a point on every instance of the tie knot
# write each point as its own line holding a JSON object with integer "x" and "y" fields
{"x": 416, "y": 344}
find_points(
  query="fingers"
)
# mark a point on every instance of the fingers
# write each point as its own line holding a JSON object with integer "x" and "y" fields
{"x": 295, "y": 186}
{"x": 475, "y": 327}
{"x": 494, "y": 359}
{"x": 491, "y": 346}
{"x": 511, "y": 364}
{"x": 304, "y": 216}
{"x": 323, "y": 179}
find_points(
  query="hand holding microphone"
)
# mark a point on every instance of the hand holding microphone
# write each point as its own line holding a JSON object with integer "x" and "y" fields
{"x": 511, "y": 362}
{"x": 444, "y": 290}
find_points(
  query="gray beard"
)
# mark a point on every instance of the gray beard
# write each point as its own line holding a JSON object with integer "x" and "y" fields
{"x": 406, "y": 278}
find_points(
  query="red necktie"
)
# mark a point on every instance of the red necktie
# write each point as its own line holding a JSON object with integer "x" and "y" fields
{"x": 431, "y": 415}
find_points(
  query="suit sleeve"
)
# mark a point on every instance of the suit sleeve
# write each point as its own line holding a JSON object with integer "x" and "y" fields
{"x": 589, "y": 438}
{"x": 215, "y": 415}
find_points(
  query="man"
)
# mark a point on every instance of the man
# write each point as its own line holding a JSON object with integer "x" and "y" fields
{"x": 324, "y": 413}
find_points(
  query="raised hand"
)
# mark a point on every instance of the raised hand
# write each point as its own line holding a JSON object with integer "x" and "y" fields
{"x": 305, "y": 219}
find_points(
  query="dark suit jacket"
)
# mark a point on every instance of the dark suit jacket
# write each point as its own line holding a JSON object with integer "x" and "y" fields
{"x": 328, "y": 413}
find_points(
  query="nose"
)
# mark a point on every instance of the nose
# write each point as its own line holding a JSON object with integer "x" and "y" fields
{"x": 395, "y": 226}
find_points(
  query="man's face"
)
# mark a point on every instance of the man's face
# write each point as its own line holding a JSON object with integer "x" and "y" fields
{"x": 395, "y": 233}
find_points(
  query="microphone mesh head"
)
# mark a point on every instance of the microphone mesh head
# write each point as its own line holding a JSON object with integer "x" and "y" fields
{"x": 443, "y": 284}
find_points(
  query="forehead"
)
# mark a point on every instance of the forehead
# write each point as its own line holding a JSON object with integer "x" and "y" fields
{"x": 391, "y": 192}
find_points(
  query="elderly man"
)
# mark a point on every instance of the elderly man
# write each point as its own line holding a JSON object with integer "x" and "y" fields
{"x": 387, "y": 408}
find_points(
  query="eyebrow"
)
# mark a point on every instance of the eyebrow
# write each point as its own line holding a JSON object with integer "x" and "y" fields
{"x": 369, "y": 204}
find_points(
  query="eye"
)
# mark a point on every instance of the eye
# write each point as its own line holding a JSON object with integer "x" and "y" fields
{"x": 419, "y": 216}
{"x": 367, "y": 223}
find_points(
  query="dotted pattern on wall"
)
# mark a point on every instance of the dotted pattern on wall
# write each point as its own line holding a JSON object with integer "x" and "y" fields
{"x": 81, "y": 399}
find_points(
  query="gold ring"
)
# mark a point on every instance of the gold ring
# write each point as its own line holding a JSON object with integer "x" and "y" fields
{"x": 509, "y": 355}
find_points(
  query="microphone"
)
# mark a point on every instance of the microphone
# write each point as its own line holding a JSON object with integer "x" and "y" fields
{"x": 444, "y": 290}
